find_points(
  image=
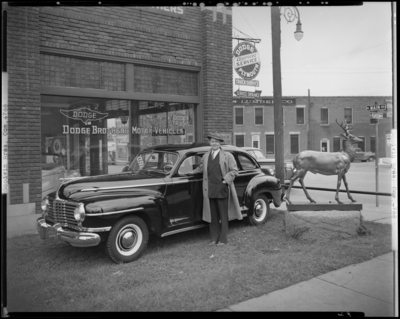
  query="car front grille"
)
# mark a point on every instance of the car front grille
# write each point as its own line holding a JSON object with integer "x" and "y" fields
{"x": 62, "y": 212}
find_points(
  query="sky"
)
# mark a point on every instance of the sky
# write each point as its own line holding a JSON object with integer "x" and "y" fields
{"x": 345, "y": 50}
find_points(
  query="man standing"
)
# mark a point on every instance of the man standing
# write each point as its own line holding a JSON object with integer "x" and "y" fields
{"x": 220, "y": 203}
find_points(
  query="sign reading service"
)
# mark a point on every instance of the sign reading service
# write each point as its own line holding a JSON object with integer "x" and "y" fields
{"x": 246, "y": 60}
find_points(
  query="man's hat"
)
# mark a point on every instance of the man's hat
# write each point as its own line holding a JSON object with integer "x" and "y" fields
{"x": 216, "y": 135}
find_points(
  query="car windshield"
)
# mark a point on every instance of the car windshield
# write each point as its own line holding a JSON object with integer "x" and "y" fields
{"x": 154, "y": 161}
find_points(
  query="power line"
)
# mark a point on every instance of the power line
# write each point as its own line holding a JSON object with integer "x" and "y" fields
{"x": 248, "y": 23}
{"x": 333, "y": 73}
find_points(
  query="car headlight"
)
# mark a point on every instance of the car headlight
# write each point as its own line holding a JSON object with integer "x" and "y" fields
{"x": 45, "y": 204}
{"x": 79, "y": 213}
{"x": 272, "y": 171}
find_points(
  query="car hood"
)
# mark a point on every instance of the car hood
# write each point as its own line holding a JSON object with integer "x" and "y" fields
{"x": 101, "y": 184}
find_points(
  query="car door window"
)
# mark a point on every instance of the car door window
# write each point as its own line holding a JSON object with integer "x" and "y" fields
{"x": 246, "y": 162}
{"x": 169, "y": 159}
{"x": 189, "y": 164}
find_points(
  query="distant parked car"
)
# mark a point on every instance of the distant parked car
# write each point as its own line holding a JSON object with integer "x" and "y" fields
{"x": 364, "y": 156}
{"x": 259, "y": 156}
{"x": 269, "y": 163}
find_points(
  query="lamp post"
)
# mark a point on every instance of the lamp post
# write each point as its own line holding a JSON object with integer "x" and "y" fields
{"x": 290, "y": 14}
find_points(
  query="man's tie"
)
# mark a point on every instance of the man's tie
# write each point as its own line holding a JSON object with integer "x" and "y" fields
{"x": 213, "y": 154}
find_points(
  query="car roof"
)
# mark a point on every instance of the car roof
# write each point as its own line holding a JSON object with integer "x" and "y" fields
{"x": 251, "y": 148}
{"x": 198, "y": 146}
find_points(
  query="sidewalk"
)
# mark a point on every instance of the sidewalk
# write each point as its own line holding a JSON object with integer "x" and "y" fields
{"x": 370, "y": 287}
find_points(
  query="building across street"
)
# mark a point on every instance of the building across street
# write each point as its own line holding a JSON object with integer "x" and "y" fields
{"x": 310, "y": 123}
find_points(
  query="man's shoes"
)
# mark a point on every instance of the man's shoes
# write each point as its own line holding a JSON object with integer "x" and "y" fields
{"x": 221, "y": 244}
{"x": 212, "y": 243}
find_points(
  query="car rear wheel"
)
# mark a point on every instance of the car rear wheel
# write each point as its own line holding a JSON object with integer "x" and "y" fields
{"x": 260, "y": 210}
{"x": 127, "y": 239}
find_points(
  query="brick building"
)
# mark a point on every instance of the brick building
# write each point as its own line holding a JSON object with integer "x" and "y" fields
{"x": 81, "y": 77}
{"x": 309, "y": 123}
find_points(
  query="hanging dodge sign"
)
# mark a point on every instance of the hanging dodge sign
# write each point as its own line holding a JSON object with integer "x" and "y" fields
{"x": 246, "y": 60}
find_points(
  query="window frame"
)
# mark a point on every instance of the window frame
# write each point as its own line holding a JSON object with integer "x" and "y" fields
{"x": 336, "y": 138}
{"x": 255, "y": 138}
{"x": 351, "y": 110}
{"x": 327, "y": 116}
{"x": 255, "y": 115}
{"x": 298, "y": 143}
{"x": 266, "y": 143}
{"x": 303, "y": 108}
{"x": 235, "y": 115}
{"x": 364, "y": 143}
{"x": 240, "y": 134}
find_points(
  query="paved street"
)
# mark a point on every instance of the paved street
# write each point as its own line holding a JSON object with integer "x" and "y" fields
{"x": 361, "y": 177}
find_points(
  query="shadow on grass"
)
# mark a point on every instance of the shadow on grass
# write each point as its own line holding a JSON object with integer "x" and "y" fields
{"x": 179, "y": 272}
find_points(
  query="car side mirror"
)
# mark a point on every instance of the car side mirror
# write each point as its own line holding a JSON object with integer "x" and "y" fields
{"x": 125, "y": 169}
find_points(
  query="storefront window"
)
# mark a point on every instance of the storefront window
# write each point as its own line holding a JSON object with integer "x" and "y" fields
{"x": 89, "y": 136}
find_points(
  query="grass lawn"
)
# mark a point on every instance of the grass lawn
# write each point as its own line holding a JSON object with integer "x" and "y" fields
{"x": 179, "y": 272}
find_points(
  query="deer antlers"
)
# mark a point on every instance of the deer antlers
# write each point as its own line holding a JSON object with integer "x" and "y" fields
{"x": 345, "y": 126}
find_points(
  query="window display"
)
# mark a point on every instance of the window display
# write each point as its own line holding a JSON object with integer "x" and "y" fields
{"x": 89, "y": 136}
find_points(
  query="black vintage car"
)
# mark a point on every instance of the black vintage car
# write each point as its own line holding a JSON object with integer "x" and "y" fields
{"x": 153, "y": 195}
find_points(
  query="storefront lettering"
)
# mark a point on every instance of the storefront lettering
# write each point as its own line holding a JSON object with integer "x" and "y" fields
{"x": 155, "y": 131}
{"x": 166, "y": 131}
{"x": 178, "y": 10}
{"x": 75, "y": 130}
{"x": 84, "y": 114}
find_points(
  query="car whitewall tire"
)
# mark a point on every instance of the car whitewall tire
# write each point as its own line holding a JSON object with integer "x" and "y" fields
{"x": 260, "y": 210}
{"x": 127, "y": 239}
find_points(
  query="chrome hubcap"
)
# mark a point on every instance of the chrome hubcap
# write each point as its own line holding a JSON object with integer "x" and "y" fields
{"x": 129, "y": 239}
{"x": 260, "y": 209}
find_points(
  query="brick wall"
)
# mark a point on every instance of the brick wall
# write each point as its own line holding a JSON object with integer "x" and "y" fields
{"x": 361, "y": 119}
{"x": 290, "y": 126}
{"x": 24, "y": 160}
{"x": 217, "y": 73}
{"x": 125, "y": 32}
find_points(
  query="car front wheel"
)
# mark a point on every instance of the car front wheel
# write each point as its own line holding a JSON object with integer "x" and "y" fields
{"x": 260, "y": 210}
{"x": 127, "y": 239}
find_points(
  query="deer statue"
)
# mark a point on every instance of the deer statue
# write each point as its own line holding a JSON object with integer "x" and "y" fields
{"x": 326, "y": 163}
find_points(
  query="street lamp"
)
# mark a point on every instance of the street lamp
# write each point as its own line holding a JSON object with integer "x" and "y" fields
{"x": 290, "y": 14}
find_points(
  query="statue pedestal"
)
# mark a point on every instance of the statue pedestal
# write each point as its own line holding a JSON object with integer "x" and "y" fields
{"x": 322, "y": 206}
{"x": 323, "y": 225}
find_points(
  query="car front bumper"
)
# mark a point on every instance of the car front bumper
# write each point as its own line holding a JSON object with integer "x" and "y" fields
{"x": 74, "y": 238}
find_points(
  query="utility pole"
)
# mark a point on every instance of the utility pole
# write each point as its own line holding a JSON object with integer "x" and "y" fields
{"x": 377, "y": 162}
{"x": 277, "y": 87}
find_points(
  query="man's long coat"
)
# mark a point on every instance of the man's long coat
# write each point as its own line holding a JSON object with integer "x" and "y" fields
{"x": 229, "y": 172}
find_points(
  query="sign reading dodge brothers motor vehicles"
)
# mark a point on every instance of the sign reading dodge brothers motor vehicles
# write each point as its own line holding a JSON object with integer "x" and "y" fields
{"x": 87, "y": 116}
{"x": 246, "y": 60}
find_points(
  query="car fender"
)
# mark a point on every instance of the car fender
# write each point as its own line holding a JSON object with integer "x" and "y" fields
{"x": 105, "y": 211}
{"x": 261, "y": 184}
